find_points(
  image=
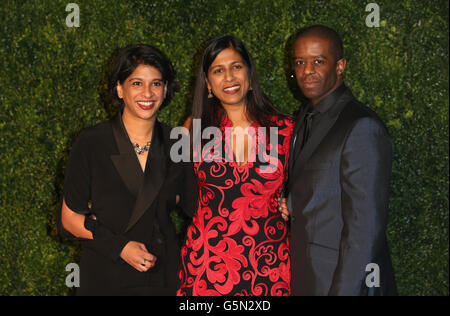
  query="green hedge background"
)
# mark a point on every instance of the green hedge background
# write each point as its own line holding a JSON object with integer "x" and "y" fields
{"x": 52, "y": 82}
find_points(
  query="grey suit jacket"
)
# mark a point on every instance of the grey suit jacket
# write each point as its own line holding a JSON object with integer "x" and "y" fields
{"x": 339, "y": 188}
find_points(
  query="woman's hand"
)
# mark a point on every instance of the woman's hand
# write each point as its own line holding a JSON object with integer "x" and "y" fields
{"x": 137, "y": 256}
{"x": 283, "y": 208}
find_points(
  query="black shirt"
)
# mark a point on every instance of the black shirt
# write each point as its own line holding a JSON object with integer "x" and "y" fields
{"x": 320, "y": 108}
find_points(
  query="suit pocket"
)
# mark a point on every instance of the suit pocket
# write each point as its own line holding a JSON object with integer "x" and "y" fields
{"x": 322, "y": 252}
{"x": 318, "y": 165}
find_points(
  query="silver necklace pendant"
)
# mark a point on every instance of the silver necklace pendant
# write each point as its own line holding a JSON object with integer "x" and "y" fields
{"x": 141, "y": 149}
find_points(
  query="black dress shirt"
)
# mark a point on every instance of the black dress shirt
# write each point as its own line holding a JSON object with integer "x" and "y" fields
{"x": 320, "y": 109}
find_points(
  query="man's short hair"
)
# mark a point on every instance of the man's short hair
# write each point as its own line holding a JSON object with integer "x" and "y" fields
{"x": 324, "y": 32}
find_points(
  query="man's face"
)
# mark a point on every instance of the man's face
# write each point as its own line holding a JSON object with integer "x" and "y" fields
{"x": 317, "y": 72}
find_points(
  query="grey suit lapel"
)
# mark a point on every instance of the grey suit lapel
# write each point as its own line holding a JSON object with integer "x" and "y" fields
{"x": 318, "y": 135}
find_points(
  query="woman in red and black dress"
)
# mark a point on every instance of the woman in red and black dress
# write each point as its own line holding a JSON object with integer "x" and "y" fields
{"x": 238, "y": 242}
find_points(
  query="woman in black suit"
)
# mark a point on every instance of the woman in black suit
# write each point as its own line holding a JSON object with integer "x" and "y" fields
{"x": 120, "y": 185}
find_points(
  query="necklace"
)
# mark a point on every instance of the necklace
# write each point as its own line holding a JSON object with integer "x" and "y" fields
{"x": 141, "y": 149}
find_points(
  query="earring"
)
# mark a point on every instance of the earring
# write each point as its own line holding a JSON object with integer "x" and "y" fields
{"x": 210, "y": 95}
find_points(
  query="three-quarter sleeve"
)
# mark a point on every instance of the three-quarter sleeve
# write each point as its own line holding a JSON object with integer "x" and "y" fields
{"x": 76, "y": 193}
{"x": 77, "y": 181}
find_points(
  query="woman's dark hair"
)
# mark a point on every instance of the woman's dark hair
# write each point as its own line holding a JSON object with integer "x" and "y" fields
{"x": 210, "y": 110}
{"x": 129, "y": 58}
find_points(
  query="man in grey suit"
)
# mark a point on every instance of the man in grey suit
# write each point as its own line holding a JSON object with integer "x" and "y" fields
{"x": 338, "y": 186}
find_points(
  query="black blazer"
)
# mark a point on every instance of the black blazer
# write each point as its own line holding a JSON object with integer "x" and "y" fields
{"x": 339, "y": 187}
{"x": 104, "y": 177}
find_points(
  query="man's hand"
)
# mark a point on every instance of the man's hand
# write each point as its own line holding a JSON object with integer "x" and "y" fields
{"x": 283, "y": 208}
{"x": 137, "y": 256}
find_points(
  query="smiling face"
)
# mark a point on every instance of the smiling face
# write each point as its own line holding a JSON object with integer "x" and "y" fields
{"x": 317, "y": 72}
{"x": 227, "y": 77}
{"x": 142, "y": 92}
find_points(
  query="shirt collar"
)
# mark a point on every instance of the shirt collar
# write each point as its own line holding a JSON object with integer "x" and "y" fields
{"x": 326, "y": 103}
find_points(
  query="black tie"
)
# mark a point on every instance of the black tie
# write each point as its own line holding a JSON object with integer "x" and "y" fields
{"x": 308, "y": 126}
{"x": 305, "y": 132}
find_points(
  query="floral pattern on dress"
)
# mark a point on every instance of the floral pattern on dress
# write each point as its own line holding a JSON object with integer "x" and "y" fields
{"x": 238, "y": 243}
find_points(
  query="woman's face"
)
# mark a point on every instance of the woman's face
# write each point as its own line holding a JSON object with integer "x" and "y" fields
{"x": 143, "y": 92}
{"x": 227, "y": 77}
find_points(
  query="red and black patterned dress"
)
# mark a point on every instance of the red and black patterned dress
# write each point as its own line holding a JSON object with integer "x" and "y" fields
{"x": 238, "y": 243}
